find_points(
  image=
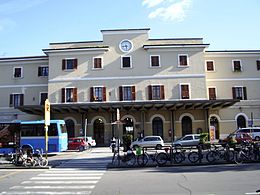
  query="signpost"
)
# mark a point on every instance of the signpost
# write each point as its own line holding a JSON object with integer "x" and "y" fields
{"x": 47, "y": 112}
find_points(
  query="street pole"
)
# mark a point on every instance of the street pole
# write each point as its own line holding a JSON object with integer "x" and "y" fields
{"x": 47, "y": 109}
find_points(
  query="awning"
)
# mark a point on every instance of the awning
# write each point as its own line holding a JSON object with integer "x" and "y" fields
{"x": 130, "y": 106}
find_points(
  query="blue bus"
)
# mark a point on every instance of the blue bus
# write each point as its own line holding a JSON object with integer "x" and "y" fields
{"x": 33, "y": 135}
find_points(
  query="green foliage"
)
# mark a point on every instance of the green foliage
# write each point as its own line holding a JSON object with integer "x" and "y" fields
{"x": 127, "y": 139}
{"x": 203, "y": 138}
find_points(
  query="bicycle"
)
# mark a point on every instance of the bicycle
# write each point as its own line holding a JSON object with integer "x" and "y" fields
{"x": 128, "y": 159}
{"x": 42, "y": 162}
{"x": 178, "y": 155}
{"x": 244, "y": 153}
{"x": 220, "y": 153}
{"x": 163, "y": 157}
{"x": 195, "y": 157}
{"x": 142, "y": 160}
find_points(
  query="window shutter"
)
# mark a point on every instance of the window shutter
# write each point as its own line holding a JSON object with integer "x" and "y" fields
{"x": 133, "y": 92}
{"x": 258, "y": 64}
{"x": 120, "y": 93}
{"x": 63, "y": 95}
{"x": 75, "y": 95}
{"x": 63, "y": 64}
{"x": 11, "y": 100}
{"x": 91, "y": 94}
{"x": 75, "y": 63}
{"x": 150, "y": 97}
{"x": 104, "y": 94}
{"x": 245, "y": 93}
{"x": 39, "y": 71}
{"x": 234, "y": 92}
{"x": 162, "y": 92}
{"x": 21, "y": 99}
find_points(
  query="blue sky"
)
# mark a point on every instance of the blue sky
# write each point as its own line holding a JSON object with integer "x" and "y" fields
{"x": 28, "y": 26}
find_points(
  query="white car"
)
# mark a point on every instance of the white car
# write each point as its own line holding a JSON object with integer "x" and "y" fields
{"x": 188, "y": 140}
{"x": 148, "y": 141}
{"x": 90, "y": 140}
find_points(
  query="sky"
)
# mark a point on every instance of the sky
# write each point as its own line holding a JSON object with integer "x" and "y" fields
{"x": 28, "y": 26}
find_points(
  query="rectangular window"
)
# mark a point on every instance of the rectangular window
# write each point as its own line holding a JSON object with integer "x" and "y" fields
{"x": 43, "y": 71}
{"x": 69, "y": 95}
{"x": 126, "y": 62}
{"x": 127, "y": 93}
{"x": 97, "y": 94}
{"x": 16, "y": 100}
{"x": 210, "y": 65}
{"x": 183, "y": 60}
{"x": 212, "y": 93}
{"x": 43, "y": 97}
{"x": 155, "y": 61}
{"x": 258, "y": 64}
{"x": 156, "y": 92}
{"x": 239, "y": 93}
{"x": 97, "y": 63}
{"x": 69, "y": 64}
{"x": 18, "y": 72}
{"x": 185, "y": 92}
{"x": 237, "y": 66}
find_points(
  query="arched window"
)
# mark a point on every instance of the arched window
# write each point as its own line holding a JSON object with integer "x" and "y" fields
{"x": 241, "y": 121}
{"x": 186, "y": 124}
{"x": 99, "y": 129}
{"x": 158, "y": 126}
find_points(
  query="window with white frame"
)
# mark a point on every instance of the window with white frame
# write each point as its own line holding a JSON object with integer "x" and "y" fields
{"x": 69, "y": 64}
{"x": 212, "y": 93}
{"x": 97, "y": 63}
{"x": 69, "y": 94}
{"x": 156, "y": 92}
{"x": 185, "y": 91}
{"x": 43, "y": 71}
{"x": 126, "y": 62}
{"x": 154, "y": 61}
{"x": 97, "y": 93}
{"x": 210, "y": 65}
{"x": 239, "y": 93}
{"x": 16, "y": 100}
{"x": 127, "y": 93}
{"x": 183, "y": 60}
{"x": 18, "y": 72}
{"x": 236, "y": 65}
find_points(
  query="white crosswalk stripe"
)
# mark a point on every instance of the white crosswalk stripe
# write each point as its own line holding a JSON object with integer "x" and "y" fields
{"x": 77, "y": 176}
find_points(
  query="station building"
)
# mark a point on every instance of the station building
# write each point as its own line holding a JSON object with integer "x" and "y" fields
{"x": 128, "y": 82}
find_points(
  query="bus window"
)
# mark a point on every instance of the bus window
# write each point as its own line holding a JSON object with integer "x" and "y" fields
{"x": 53, "y": 130}
{"x": 63, "y": 128}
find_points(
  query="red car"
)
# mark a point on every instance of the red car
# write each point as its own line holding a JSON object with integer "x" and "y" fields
{"x": 77, "y": 144}
{"x": 239, "y": 137}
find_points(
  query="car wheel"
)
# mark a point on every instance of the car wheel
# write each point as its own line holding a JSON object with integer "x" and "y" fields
{"x": 158, "y": 147}
{"x": 257, "y": 138}
{"x": 81, "y": 148}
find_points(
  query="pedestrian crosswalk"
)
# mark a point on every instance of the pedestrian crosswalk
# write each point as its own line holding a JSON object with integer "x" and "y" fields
{"x": 76, "y": 176}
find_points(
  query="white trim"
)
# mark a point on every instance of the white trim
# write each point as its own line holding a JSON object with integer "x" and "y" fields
{"x": 157, "y": 115}
{"x": 174, "y": 46}
{"x": 187, "y": 114}
{"x": 233, "y": 65}
{"x": 23, "y": 86}
{"x": 93, "y": 63}
{"x": 66, "y": 50}
{"x": 125, "y": 31}
{"x": 129, "y": 116}
{"x": 130, "y": 62}
{"x": 214, "y": 67}
{"x": 159, "y": 58}
{"x": 234, "y": 79}
{"x": 214, "y": 88}
{"x": 98, "y": 117}
{"x": 175, "y": 76}
{"x": 243, "y": 114}
{"x": 188, "y": 63}
{"x": 180, "y": 84}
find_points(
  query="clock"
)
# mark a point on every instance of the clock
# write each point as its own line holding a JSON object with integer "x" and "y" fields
{"x": 126, "y": 45}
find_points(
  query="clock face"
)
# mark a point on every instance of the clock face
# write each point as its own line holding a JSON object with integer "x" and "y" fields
{"x": 125, "y": 45}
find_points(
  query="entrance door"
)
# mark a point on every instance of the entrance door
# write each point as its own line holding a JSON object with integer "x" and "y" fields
{"x": 241, "y": 121}
{"x": 99, "y": 131}
{"x": 158, "y": 126}
{"x": 186, "y": 124}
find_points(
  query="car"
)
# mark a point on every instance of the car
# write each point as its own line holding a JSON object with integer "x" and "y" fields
{"x": 254, "y": 132}
{"x": 239, "y": 137}
{"x": 77, "y": 144}
{"x": 188, "y": 140}
{"x": 148, "y": 141}
{"x": 90, "y": 140}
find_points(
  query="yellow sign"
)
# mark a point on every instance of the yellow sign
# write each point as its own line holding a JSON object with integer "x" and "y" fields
{"x": 47, "y": 112}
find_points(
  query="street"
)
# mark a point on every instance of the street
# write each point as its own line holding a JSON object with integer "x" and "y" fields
{"x": 86, "y": 173}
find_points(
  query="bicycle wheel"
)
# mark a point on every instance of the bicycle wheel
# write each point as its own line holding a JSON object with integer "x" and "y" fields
{"x": 194, "y": 157}
{"x": 238, "y": 157}
{"x": 43, "y": 162}
{"x": 130, "y": 160}
{"x": 229, "y": 156}
{"x": 212, "y": 156}
{"x": 161, "y": 158}
{"x": 178, "y": 157}
{"x": 142, "y": 159}
{"x": 29, "y": 162}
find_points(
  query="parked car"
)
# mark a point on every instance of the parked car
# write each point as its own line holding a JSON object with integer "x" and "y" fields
{"x": 188, "y": 140}
{"x": 238, "y": 137}
{"x": 90, "y": 140}
{"x": 254, "y": 132}
{"x": 148, "y": 141}
{"x": 77, "y": 144}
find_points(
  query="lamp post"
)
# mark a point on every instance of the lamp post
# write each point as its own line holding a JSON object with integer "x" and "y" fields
{"x": 47, "y": 111}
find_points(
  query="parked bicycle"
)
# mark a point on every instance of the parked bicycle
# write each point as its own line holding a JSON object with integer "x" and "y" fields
{"x": 163, "y": 157}
{"x": 145, "y": 157}
{"x": 196, "y": 156}
{"x": 127, "y": 159}
{"x": 39, "y": 159}
{"x": 218, "y": 153}
{"x": 244, "y": 153}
